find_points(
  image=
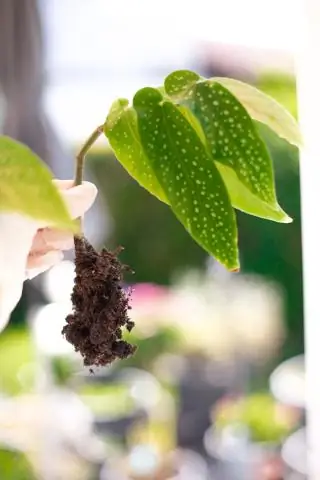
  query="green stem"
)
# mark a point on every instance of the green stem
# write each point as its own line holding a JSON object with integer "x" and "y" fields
{"x": 80, "y": 159}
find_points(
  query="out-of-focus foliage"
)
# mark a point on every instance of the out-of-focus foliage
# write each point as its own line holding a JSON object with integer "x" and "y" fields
{"x": 282, "y": 88}
{"x": 17, "y": 359}
{"x": 277, "y": 253}
{"x": 164, "y": 340}
{"x": 26, "y": 186}
{"x": 14, "y": 466}
{"x": 266, "y": 420}
{"x": 109, "y": 400}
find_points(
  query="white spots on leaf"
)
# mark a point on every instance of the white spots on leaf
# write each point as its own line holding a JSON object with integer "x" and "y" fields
{"x": 190, "y": 180}
{"x": 245, "y": 152}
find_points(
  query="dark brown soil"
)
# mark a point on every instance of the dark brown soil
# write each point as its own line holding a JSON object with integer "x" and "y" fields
{"x": 100, "y": 307}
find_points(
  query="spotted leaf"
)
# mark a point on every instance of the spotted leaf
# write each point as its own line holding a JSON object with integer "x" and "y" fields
{"x": 242, "y": 199}
{"x": 191, "y": 182}
{"x": 122, "y": 132}
{"x": 179, "y": 85}
{"x": 233, "y": 140}
{"x": 240, "y": 196}
{"x": 265, "y": 109}
{"x": 26, "y": 186}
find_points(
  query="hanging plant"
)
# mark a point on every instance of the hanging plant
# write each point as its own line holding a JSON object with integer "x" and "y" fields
{"x": 192, "y": 143}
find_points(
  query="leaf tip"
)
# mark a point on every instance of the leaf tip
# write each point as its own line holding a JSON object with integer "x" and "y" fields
{"x": 233, "y": 266}
{"x": 283, "y": 217}
{"x": 114, "y": 114}
{"x": 146, "y": 96}
{"x": 178, "y": 82}
{"x": 235, "y": 270}
{"x": 287, "y": 219}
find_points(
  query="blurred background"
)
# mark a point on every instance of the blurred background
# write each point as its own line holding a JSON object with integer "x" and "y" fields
{"x": 216, "y": 388}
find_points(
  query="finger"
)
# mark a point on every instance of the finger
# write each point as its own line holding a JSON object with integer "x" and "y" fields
{"x": 80, "y": 198}
{"x": 48, "y": 239}
{"x": 37, "y": 264}
{"x": 63, "y": 184}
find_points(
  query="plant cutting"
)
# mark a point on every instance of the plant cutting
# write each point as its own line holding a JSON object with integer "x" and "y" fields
{"x": 194, "y": 144}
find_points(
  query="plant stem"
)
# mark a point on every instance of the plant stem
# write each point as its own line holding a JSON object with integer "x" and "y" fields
{"x": 80, "y": 158}
{"x": 82, "y": 153}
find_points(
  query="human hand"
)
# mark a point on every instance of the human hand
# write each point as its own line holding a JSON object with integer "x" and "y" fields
{"x": 28, "y": 247}
{"x": 49, "y": 243}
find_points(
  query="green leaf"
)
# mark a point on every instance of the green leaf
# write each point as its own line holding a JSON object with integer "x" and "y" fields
{"x": 242, "y": 199}
{"x": 265, "y": 109}
{"x": 121, "y": 129}
{"x": 179, "y": 85}
{"x": 26, "y": 186}
{"x": 233, "y": 140}
{"x": 240, "y": 196}
{"x": 182, "y": 86}
{"x": 194, "y": 122}
{"x": 191, "y": 181}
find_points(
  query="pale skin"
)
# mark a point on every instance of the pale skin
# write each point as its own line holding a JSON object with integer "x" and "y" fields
{"x": 48, "y": 244}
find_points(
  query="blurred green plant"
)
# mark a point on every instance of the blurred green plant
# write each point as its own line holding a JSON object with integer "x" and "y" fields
{"x": 15, "y": 466}
{"x": 62, "y": 369}
{"x": 277, "y": 253}
{"x": 164, "y": 340}
{"x": 26, "y": 186}
{"x": 16, "y": 353}
{"x": 266, "y": 420}
{"x": 110, "y": 400}
{"x": 281, "y": 87}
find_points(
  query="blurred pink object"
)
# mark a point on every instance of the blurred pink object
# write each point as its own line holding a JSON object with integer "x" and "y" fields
{"x": 272, "y": 468}
{"x": 143, "y": 293}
